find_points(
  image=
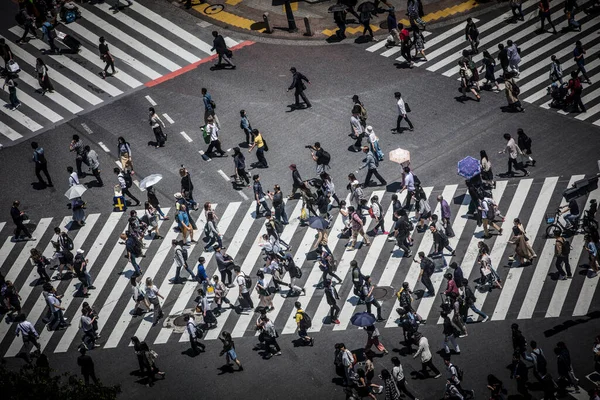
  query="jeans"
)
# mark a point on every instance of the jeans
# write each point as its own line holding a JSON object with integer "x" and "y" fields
{"x": 370, "y": 173}
{"x": 135, "y": 265}
{"x": 452, "y": 340}
{"x": 375, "y": 303}
{"x": 426, "y": 281}
{"x": 280, "y": 214}
{"x": 42, "y": 167}
{"x": 12, "y": 96}
{"x": 571, "y": 218}
{"x": 559, "y": 263}
{"x": 57, "y": 320}
{"x": 260, "y": 154}
{"x": 157, "y": 310}
{"x": 476, "y": 311}
{"x": 399, "y": 121}
{"x": 262, "y": 202}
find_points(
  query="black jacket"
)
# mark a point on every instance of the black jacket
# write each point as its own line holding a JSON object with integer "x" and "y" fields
{"x": 297, "y": 82}
{"x": 219, "y": 45}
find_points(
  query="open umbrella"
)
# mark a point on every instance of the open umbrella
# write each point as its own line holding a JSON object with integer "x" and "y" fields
{"x": 400, "y": 156}
{"x": 150, "y": 180}
{"x": 363, "y": 319}
{"x": 366, "y": 7}
{"x": 337, "y": 7}
{"x": 318, "y": 223}
{"x": 75, "y": 191}
{"x": 468, "y": 167}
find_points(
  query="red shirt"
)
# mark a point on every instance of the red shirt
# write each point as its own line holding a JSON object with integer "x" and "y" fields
{"x": 404, "y": 35}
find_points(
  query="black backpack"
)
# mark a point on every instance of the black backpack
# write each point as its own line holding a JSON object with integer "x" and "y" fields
{"x": 128, "y": 179}
{"x": 278, "y": 226}
{"x": 542, "y": 364}
{"x": 68, "y": 242}
{"x": 566, "y": 249}
{"x": 248, "y": 281}
{"x": 325, "y": 157}
{"x": 306, "y": 321}
{"x": 184, "y": 254}
{"x": 416, "y": 180}
{"x": 459, "y": 372}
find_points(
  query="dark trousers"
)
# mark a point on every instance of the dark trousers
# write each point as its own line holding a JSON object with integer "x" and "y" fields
{"x": 271, "y": 341}
{"x": 79, "y": 162}
{"x": 42, "y": 167}
{"x": 29, "y": 28}
{"x": 401, "y": 242}
{"x": 370, "y": 173}
{"x": 334, "y": 311}
{"x": 429, "y": 364}
{"x": 126, "y": 191}
{"x": 402, "y": 387}
{"x": 280, "y": 214}
{"x": 96, "y": 173}
{"x": 426, "y": 281}
{"x": 226, "y": 276}
{"x": 110, "y": 63}
{"x": 260, "y": 154}
{"x": 248, "y": 299}
{"x": 53, "y": 47}
{"x": 409, "y": 197}
{"x": 196, "y": 345}
{"x": 559, "y": 263}
{"x": 327, "y": 272}
{"x": 22, "y": 228}
{"x": 405, "y": 52}
{"x": 367, "y": 28}
{"x": 577, "y": 103}
{"x": 546, "y": 16}
{"x": 243, "y": 175}
{"x": 298, "y": 94}
{"x": 399, "y": 121}
{"x": 264, "y": 204}
{"x": 12, "y": 97}
{"x": 379, "y": 224}
{"x": 89, "y": 374}
{"x": 41, "y": 270}
{"x": 215, "y": 144}
{"x": 449, "y": 230}
{"x": 512, "y": 162}
{"x": 375, "y": 303}
{"x": 514, "y": 11}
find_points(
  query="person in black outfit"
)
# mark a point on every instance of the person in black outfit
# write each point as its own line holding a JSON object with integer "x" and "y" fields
{"x": 221, "y": 48}
{"x": 520, "y": 374}
{"x": 240, "y": 166}
{"x": 279, "y": 205}
{"x": 41, "y": 164}
{"x": 187, "y": 187}
{"x": 300, "y": 87}
{"x": 87, "y": 366}
{"x": 17, "y": 217}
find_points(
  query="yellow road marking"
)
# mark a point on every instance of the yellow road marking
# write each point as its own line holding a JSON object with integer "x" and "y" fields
{"x": 233, "y": 2}
{"x": 227, "y": 17}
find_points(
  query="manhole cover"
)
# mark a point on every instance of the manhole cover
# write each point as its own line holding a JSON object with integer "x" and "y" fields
{"x": 214, "y": 9}
{"x": 383, "y": 292}
{"x": 177, "y": 323}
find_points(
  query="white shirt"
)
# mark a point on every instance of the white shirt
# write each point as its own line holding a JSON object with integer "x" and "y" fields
{"x": 93, "y": 159}
{"x": 191, "y": 328}
{"x": 54, "y": 303}
{"x": 73, "y": 179}
{"x": 25, "y": 328}
{"x": 356, "y": 125}
{"x": 512, "y": 148}
{"x": 401, "y": 107}
{"x": 423, "y": 350}
{"x": 241, "y": 282}
{"x": 122, "y": 181}
{"x": 214, "y": 131}
{"x": 409, "y": 182}
{"x": 372, "y": 137}
{"x": 398, "y": 373}
{"x": 151, "y": 292}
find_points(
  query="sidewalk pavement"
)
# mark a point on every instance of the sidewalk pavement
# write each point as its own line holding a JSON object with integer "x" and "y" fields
{"x": 247, "y": 16}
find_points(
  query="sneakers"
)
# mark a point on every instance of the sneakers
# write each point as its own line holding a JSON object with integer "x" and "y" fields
{"x": 336, "y": 321}
{"x": 437, "y": 376}
{"x": 278, "y": 353}
{"x": 485, "y": 319}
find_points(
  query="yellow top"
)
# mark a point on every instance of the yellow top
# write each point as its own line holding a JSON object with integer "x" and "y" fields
{"x": 299, "y": 315}
{"x": 258, "y": 141}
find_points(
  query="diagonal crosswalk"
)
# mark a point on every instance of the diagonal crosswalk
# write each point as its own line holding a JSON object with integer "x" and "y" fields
{"x": 528, "y": 292}
{"x": 444, "y": 48}
{"x": 146, "y": 46}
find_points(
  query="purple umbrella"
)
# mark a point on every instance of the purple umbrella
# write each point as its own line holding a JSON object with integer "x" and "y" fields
{"x": 468, "y": 167}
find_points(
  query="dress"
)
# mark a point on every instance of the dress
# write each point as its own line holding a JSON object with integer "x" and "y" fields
{"x": 490, "y": 65}
{"x": 522, "y": 246}
{"x": 419, "y": 41}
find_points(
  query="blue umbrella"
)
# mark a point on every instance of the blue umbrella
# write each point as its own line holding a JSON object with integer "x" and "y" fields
{"x": 363, "y": 319}
{"x": 468, "y": 167}
{"x": 317, "y": 223}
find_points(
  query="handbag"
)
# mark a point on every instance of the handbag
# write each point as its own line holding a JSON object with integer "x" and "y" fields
{"x": 265, "y": 146}
{"x": 407, "y": 107}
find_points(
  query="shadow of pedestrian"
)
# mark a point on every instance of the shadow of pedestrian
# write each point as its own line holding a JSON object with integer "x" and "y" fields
{"x": 39, "y": 185}
{"x": 226, "y": 369}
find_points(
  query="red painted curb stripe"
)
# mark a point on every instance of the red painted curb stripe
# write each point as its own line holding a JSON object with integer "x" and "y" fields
{"x": 190, "y": 67}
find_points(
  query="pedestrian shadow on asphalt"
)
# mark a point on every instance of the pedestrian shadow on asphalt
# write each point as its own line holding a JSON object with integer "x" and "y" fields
{"x": 509, "y": 109}
{"x": 226, "y": 369}
{"x": 589, "y": 317}
{"x": 39, "y": 185}
{"x": 402, "y": 65}
{"x": 334, "y": 39}
{"x": 190, "y": 353}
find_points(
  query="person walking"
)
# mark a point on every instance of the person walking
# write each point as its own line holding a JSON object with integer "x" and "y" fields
{"x": 377, "y": 215}
{"x": 229, "y": 350}
{"x": 450, "y": 334}
{"x": 513, "y": 58}
{"x": 92, "y": 159}
{"x": 592, "y": 250}
{"x": 270, "y": 336}
{"x": 356, "y": 127}
{"x": 512, "y": 92}
{"x": 125, "y": 182}
{"x": 18, "y": 217}
{"x": 426, "y": 357}
{"x": 339, "y": 17}
{"x": 152, "y": 295}
{"x": 454, "y": 379}
{"x": 116, "y": 5}
{"x": 28, "y": 22}
{"x": 544, "y": 12}
{"x": 27, "y": 331}
{"x": 565, "y": 367}
{"x": 440, "y": 241}
{"x": 209, "y": 107}
{"x": 399, "y": 378}
{"x": 402, "y": 114}
{"x": 149, "y": 360}
{"x": 215, "y": 143}
{"x": 472, "y": 35}
{"x": 369, "y": 297}
{"x": 365, "y": 20}
{"x": 221, "y": 291}
{"x": 405, "y": 45}
{"x": 41, "y": 164}
{"x": 243, "y": 294}
{"x": 107, "y": 57}
{"x": 260, "y": 198}
{"x": 574, "y": 97}
{"x": 87, "y": 366}
{"x": 303, "y": 322}
{"x": 419, "y": 43}
{"x": 414, "y": 10}
{"x": 357, "y": 225}
{"x": 371, "y": 163}
{"x": 513, "y": 153}
{"x": 579, "y": 56}
{"x": 43, "y": 79}
{"x": 299, "y": 88}
{"x": 154, "y": 203}
{"x": 239, "y": 162}
{"x": 556, "y": 71}
{"x": 516, "y": 5}
{"x": 124, "y": 152}
{"x": 246, "y": 127}
{"x": 224, "y": 53}
{"x": 12, "y": 91}
{"x": 155, "y": 123}
{"x": 180, "y": 260}
{"x": 332, "y": 297}
{"x": 78, "y": 147}
{"x": 278, "y": 205}
{"x": 49, "y": 33}
{"x": 195, "y": 334}
{"x": 261, "y": 147}
{"x": 489, "y": 65}
{"x": 520, "y": 374}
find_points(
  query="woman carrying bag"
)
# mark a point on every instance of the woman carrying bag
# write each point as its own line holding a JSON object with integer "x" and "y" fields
{"x": 155, "y": 123}
{"x": 42, "y": 72}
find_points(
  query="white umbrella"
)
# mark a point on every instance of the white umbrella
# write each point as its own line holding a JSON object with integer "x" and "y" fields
{"x": 150, "y": 180}
{"x": 75, "y": 191}
{"x": 400, "y": 156}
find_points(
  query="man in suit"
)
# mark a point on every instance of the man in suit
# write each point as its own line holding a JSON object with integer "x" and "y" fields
{"x": 87, "y": 366}
{"x": 221, "y": 48}
{"x": 299, "y": 87}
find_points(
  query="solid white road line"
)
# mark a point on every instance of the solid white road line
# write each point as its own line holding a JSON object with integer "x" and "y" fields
{"x": 130, "y": 41}
{"x": 151, "y": 101}
{"x": 538, "y": 214}
{"x": 173, "y": 28}
{"x": 148, "y": 33}
{"x": 501, "y": 242}
{"x": 367, "y": 267}
{"x": 376, "y": 46}
{"x": 186, "y": 136}
{"x": 244, "y": 320}
{"x": 169, "y": 119}
{"x": 120, "y": 55}
{"x": 21, "y": 118}
{"x": 9, "y": 132}
{"x": 55, "y": 75}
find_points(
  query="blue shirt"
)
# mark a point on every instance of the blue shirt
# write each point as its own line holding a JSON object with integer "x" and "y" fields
{"x": 206, "y": 98}
{"x": 183, "y": 218}
{"x": 592, "y": 249}
{"x": 202, "y": 273}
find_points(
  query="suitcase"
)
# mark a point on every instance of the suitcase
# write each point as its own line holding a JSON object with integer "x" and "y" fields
{"x": 72, "y": 43}
{"x": 439, "y": 261}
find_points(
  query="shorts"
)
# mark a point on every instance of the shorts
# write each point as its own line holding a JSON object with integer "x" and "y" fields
{"x": 302, "y": 333}
{"x": 231, "y": 354}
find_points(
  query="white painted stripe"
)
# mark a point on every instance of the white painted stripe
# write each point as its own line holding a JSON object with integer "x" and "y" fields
{"x": 459, "y": 223}
{"x": 460, "y": 28}
{"x": 55, "y": 96}
{"x": 6, "y": 249}
{"x": 55, "y": 75}
{"x": 169, "y": 119}
{"x": 590, "y": 111}
{"x": 103, "y": 146}
{"x": 21, "y": 261}
{"x": 148, "y": 33}
{"x": 242, "y": 194}
{"x": 101, "y": 278}
{"x": 130, "y": 41}
{"x": 224, "y": 175}
{"x": 562, "y": 287}
{"x": 189, "y": 288}
{"x": 245, "y": 320}
{"x": 425, "y": 246}
{"x": 501, "y": 242}
{"x": 2, "y": 224}
{"x": 544, "y": 261}
{"x": 165, "y": 250}
{"x": 509, "y": 285}
{"x": 367, "y": 267}
{"x": 342, "y": 271}
{"x": 232, "y": 250}
{"x": 470, "y": 257}
{"x": 186, "y": 137}
{"x": 87, "y": 128}
{"x": 289, "y": 324}
{"x": 377, "y": 46}
{"x": 173, "y": 28}
{"x": 229, "y": 42}
{"x": 9, "y": 132}
{"x": 21, "y": 118}
{"x": 36, "y": 106}
{"x": 151, "y": 101}
{"x": 40, "y": 305}
{"x": 115, "y": 51}
{"x": 392, "y": 51}
{"x": 76, "y": 68}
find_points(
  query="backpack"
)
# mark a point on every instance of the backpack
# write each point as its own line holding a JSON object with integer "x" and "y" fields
{"x": 516, "y": 89}
{"x": 542, "y": 364}
{"x": 306, "y": 321}
{"x": 566, "y": 248}
{"x": 468, "y": 74}
{"x": 184, "y": 254}
{"x": 278, "y": 226}
{"x": 127, "y": 178}
{"x": 459, "y": 372}
{"x": 78, "y": 264}
{"x": 325, "y": 157}
{"x": 416, "y": 180}
{"x": 429, "y": 266}
{"x": 69, "y": 243}
{"x": 205, "y": 135}
{"x": 51, "y": 30}
{"x": 135, "y": 248}
{"x": 248, "y": 281}
{"x": 444, "y": 238}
